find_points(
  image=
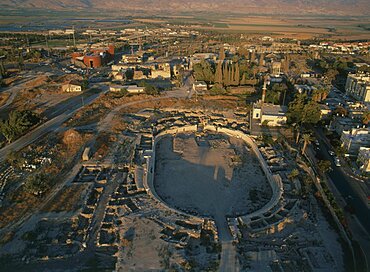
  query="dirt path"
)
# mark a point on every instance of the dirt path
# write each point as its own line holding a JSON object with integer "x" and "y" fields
{"x": 229, "y": 262}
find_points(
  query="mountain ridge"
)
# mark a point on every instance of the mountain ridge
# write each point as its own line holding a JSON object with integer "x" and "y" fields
{"x": 329, "y": 7}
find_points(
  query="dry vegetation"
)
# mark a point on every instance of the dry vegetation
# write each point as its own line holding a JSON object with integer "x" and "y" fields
{"x": 10, "y": 80}
{"x": 3, "y": 98}
{"x": 43, "y": 92}
{"x": 64, "y": 152}
{"x": 102, "y": 145}
{"x": 68, "y": 199}
{"x": 22, "y": 203}
{"x": 96, "y": 111}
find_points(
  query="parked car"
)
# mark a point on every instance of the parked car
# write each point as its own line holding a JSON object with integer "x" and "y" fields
{"x": 331, "y": 152}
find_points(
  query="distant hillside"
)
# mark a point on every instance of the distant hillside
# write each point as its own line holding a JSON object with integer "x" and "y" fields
{"x": 330, "y": 7}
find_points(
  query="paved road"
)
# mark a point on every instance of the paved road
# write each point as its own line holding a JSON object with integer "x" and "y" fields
{"x": 46, "y": 127}
{"x": 349, "y": 191}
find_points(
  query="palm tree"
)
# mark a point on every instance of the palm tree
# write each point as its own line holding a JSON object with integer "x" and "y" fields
{"x": 306, "y": 141}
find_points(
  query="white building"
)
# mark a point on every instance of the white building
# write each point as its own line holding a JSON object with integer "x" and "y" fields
{"x": 132, "y": 89}
{"x": 200, "y": 86}
{"x": 161, "y": 70}
{"x": 358, "y": 86}
{"x": 132, "y": 58}
{"x": 364, "y": 159}
{"x": 270, "y": 114}
{"x": 71, "y": 87}
{"x": 354, "y": 139}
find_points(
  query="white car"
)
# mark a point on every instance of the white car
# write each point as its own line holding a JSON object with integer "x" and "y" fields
{"x": 331, "y": 152}
{"x": 337, "y": 162}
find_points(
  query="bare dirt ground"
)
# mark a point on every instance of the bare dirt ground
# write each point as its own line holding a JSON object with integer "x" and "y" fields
{"x": 142, "y": 250}
{"x": 213, "y": 176}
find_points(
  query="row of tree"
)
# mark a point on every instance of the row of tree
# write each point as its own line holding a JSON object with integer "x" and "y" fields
{"x": 226, "y": 73}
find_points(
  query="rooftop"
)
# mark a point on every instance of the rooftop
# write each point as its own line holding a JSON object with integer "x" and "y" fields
{"x": 271, "y": 109}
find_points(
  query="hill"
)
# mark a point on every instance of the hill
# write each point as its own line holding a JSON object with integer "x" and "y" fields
{"x": 320, "y": 7}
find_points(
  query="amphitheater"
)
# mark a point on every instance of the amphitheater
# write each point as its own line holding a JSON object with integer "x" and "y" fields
{"x": 191, "y": 170}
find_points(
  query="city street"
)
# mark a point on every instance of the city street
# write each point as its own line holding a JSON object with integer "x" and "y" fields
{"x": 349, "y": 191}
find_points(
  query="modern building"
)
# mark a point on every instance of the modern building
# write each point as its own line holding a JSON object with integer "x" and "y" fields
{"x": 358, "y": 86}
{"x": 352, "y": 140}
{"x": 364, "y": 159}
{"x": 94, "y": 58}
{"x": 340, "y": 124}
{"x": 357, "y": 109}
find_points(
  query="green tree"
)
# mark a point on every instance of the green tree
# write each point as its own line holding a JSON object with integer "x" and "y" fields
{"x": 129, "y": 74}
{"x": 218, "y": 89}
{"x": 123, "y": 92}
{"x": 295, "y": 109}
{"x": 37, "y": 184}
{"x": 85, "y": 84}
{"x": 340, "y": 110}
{"x": 226, "y": 75}
{"x": 151, "y": 90}
{"x": 204, "y": 71}
{"x": 261, "y": 60}
{"x": 293, "y": 174}
{"x": 18, "y": 123}
{"x": 222, "y": 56}
{"x": 237, "y": 75}
{"x": 15, "y": 159}
{"x": 311, "y": 113}
{"x": 273, "y": 97}
{"x": 330, "y": 75}
{"x": 324, "y": 166}
{"x": 20, "y": 61}
{"x": 218, "y": 75}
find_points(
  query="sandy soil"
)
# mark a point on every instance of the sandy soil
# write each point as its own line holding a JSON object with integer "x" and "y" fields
{"x": 142, "y": 246}
{"x": 212, "y": 177}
